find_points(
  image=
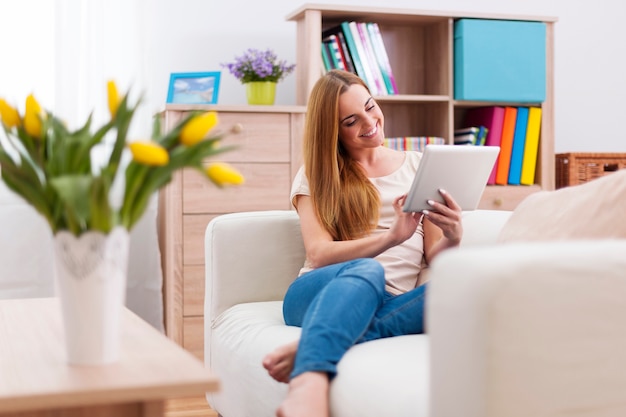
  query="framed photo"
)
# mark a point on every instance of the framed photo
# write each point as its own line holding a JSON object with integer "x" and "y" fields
{"x": 194, "y": 87}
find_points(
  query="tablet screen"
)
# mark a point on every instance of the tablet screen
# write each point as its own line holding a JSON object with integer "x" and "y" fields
{"x": 461, "y": 170}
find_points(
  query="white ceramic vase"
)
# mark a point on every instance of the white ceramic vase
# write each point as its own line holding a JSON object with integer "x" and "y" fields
{"x": 91, "y": 274}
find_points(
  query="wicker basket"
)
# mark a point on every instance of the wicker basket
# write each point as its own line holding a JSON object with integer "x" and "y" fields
{"x": 578, "y": 168}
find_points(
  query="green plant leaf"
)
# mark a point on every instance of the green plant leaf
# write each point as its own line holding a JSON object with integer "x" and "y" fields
{"x": 74, "y": 192}
{"x": 101, "y": 212}
{"x": 28, "y": 188}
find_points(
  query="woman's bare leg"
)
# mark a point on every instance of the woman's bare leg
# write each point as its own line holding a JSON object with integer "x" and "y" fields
{"x": 307, "y": 397}
{"x": 279, "y": 363}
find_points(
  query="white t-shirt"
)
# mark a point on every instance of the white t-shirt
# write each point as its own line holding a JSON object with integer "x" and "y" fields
{"x": 402, "y": 263}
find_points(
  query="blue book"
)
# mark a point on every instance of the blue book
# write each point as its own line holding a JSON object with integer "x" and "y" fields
{"x": 517, "y": 151}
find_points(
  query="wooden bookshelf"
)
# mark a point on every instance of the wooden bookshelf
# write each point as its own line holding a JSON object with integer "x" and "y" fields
{"x": 420, "y": 46}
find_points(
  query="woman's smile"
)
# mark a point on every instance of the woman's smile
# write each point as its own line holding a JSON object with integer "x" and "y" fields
{"x": 371, "y": 132}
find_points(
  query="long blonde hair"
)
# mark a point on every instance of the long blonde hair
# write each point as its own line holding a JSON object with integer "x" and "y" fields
{"x": 346, "y": 202}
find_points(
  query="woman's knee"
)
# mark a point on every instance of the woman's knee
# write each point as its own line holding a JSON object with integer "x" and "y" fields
{"x": 369, "y": 270}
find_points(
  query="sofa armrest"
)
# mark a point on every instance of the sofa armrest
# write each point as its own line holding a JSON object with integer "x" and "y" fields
{"x": 250, "y": 256}
{"x": 529, "y": 329}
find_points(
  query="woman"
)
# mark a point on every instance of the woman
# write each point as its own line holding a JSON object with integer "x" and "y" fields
{"x": 363, "y": 253}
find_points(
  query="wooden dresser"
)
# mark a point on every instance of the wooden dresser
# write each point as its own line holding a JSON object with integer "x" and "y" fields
{"x": 268, "y": 154}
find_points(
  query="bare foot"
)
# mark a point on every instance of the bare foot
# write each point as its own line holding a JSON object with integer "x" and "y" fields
{"x": 307, "y": 397}
{"x": 279, "y": 363}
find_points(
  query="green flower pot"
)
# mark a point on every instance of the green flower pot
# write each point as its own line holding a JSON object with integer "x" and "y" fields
{"x": 261, "y": 92}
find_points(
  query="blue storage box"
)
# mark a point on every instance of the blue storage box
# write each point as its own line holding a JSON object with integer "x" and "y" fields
{"x": 499, "y": 60}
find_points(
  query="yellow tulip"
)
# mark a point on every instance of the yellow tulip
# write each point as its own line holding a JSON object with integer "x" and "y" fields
{"x": 223, "y": 174}
{"x": 113, "y": 98}
{"x": 32, "y": 117}
{"x": 197, "y": 128}
{"x": 10, "y": 117}
{"x": 149, "y": 153}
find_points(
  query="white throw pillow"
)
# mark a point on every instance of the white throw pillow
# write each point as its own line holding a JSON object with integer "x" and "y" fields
{"x": 593, "y": 210}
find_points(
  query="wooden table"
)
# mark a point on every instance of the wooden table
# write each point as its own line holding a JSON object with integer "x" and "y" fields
{"x": 35, "y": 379}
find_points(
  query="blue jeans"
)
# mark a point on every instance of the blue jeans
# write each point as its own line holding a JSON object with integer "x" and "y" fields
{"x": 340, "y": 305}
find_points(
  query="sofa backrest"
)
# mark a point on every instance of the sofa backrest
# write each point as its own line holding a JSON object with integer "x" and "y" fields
{"x": 482, "y": 227}
{"x": 254, "y": 256}
{"x": 250, "y": 257}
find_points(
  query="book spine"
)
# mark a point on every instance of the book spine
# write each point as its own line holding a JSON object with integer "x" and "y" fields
{"x": 494, "y": 137}
{"x": 341, "y": 52}
{"x": 371, "y": 34}
{"x": 326, "y": 60}
{"x": 345, "y": 51}
{"x": 336, "y": 51}
{"x": 367, "y": 76}
{"x": 412, "y": 143}
{"x": 381, "y": 89}
{"x": 531, "y": 147}
{"x": 386, "y": 64}
{"x": 382, "y": 57}
{"x": 517, "y": 151}
{"x": 354, "y": 54}
{"x": 506, "y": 144}
{"x": 481, "y": 137}
{"x": 466, "y": 136}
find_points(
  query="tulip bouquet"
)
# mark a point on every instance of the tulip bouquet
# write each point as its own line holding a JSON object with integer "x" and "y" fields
{"x": 52, "y": 168}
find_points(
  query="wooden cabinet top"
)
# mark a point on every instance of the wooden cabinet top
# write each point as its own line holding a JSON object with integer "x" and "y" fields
{"x": 235, "y": 108}
{"x": 386, "y": 13}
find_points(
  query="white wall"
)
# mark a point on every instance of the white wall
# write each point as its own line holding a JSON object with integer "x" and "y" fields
{"x": 590, "y": 57}
{"x": 144, "y": 41}
{"x": 28, "y": 64}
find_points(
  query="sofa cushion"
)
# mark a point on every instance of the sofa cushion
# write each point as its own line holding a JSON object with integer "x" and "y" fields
{"x": 386, "y": 377}
{"x": 586, "y": 211}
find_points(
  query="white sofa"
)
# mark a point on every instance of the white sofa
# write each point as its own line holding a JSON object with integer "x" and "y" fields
{"x": 515, "y": 329}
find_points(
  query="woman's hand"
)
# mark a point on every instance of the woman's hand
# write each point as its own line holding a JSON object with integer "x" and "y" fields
{"x": 404, "y": 224}
{"x": 447, "y": 217}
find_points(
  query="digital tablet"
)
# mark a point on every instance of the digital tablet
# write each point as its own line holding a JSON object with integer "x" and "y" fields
{"x": 461, "y": 170}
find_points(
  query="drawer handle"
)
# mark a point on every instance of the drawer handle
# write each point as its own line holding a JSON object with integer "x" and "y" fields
{"x": 237, "y": 128}
{"x": 498, "y": 201}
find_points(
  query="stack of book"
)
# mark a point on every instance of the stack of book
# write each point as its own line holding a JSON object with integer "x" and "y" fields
{"x": 358, "y": 47}
{"x": 473, "y": 135}
{"x": 516, "y": 131}
{"x": 413, "y": 143}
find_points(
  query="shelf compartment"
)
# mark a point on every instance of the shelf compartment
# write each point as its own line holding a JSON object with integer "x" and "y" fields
{"x": 416, "y": 119}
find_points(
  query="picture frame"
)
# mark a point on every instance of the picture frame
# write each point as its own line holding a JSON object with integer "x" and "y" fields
{"x": 194, "y": 87}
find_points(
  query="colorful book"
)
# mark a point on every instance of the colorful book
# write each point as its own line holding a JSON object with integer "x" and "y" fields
{"x": 354, "y": 54}
{"x": 506, "y": 144}
{"x": 333, "y": 51}
{"x": 326, "y": 60}
{"x": 336, "y": 46}
{"x": 368, "y": 47}
{"x": 519, "y": 141}
{"x": 413, "y": 143}
{"x": 531, "y": 147}
{"x": 482, "y": 136}
{"x": 473, "y": 135}
{"x": 492, "y": 117}
{"x": 343, "y": 46}
{"x": 339, "y": 51}
{"x": 368, "y": 76}
{"x": 383, "y": 58}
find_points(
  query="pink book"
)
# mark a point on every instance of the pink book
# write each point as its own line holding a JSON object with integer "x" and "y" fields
{"x": 492, "y": 118}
